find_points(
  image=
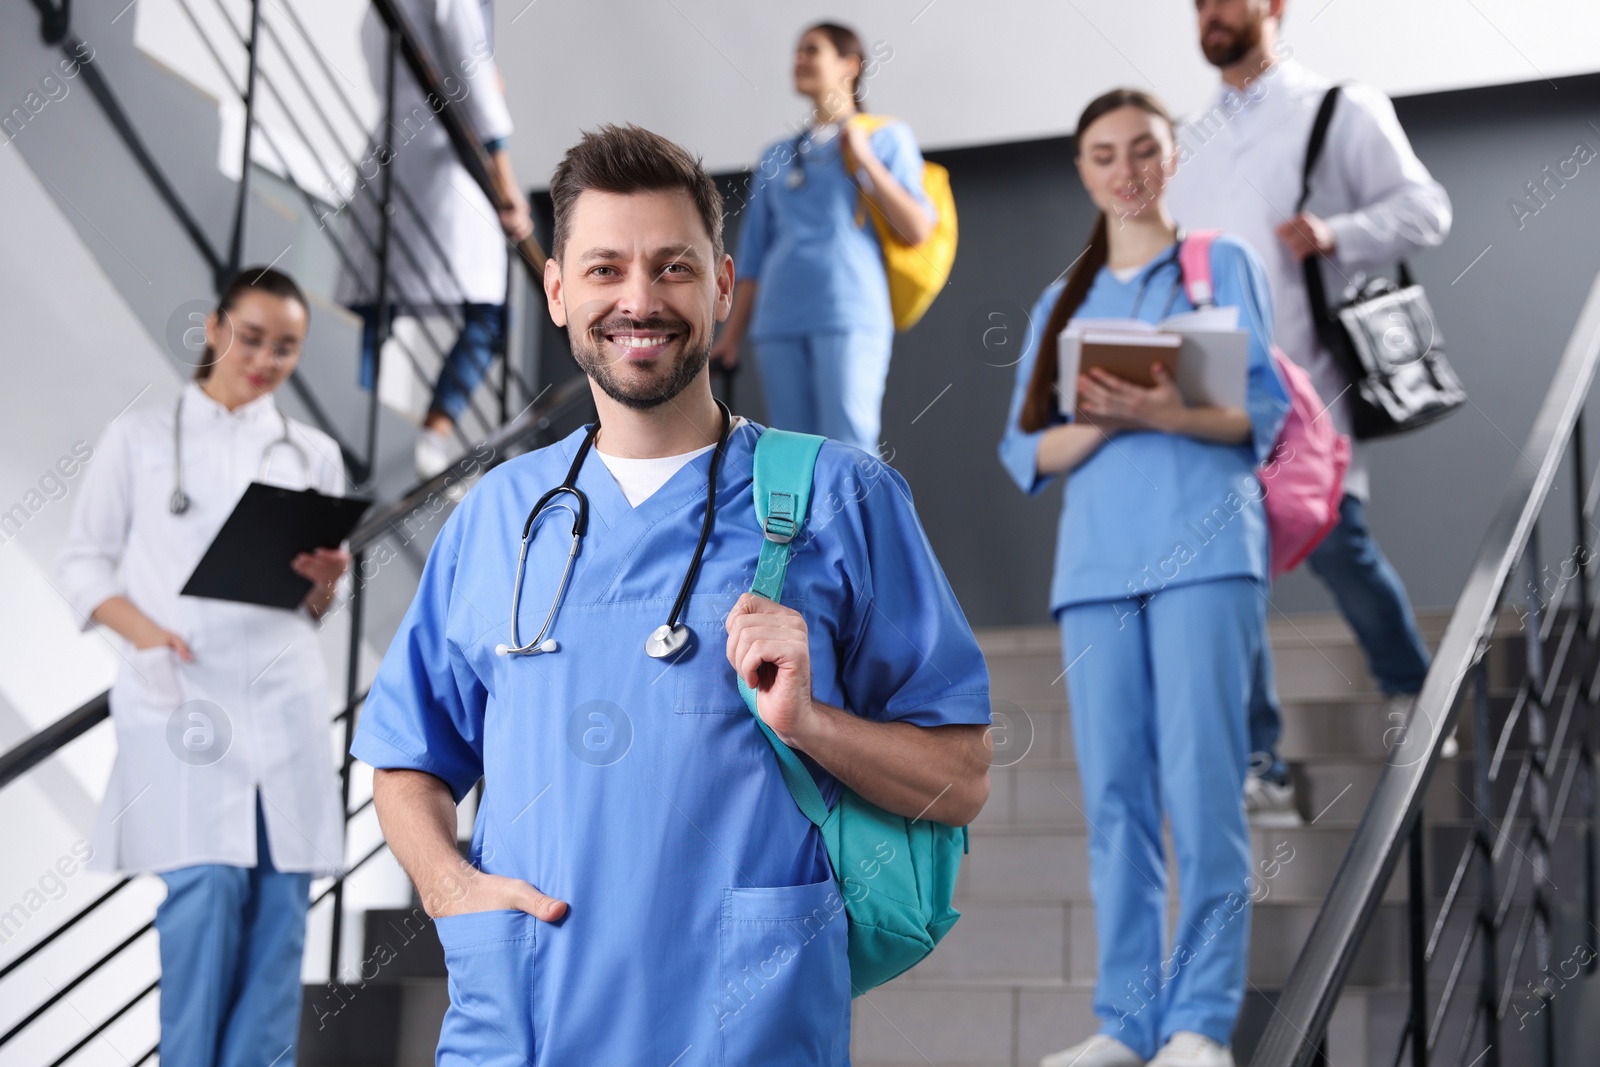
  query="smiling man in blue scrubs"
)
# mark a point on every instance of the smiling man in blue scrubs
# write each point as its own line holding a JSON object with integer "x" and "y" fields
{"x": 641, "y": 886}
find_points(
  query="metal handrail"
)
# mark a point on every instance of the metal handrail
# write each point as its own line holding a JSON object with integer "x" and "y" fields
{"x": 468, "y": 145}
{"x": 1306, "y": 1004}
{"x": 360, "y": 469}
{"x": 34, "y": 750}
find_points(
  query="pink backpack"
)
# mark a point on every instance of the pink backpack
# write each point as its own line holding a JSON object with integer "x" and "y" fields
{"x": 1304, "y": 479}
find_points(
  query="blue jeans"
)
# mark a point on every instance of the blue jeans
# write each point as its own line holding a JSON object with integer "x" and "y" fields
{"x": 482, "y": 335}
{"x": 231, "y": 942}
{"x": 1373, "y": 602}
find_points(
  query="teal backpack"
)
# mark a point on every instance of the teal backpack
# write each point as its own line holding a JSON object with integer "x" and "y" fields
{"x": 896, "y": 875}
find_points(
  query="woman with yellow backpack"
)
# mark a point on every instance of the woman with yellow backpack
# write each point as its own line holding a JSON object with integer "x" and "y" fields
{"x": 847, "y": 236}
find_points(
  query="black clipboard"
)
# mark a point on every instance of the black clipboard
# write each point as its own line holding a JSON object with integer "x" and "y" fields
{"x": 248, "y": 560}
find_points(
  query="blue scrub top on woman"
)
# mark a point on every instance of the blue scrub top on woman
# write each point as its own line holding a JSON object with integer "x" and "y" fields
{"x": 1167, "y": 509}
{"x": 703, "y": 910}
{"x": 820, "y": 269}
{"x": 822, "y": 324}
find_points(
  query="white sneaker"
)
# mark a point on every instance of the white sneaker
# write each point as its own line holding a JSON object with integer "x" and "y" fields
{"x": 1098, "y": 1051}
{"x": 1189, "y": 1049}
{"x": 1450, "y": 748}
{"x": 1268, "y": 803}
{"x": 433, "y": 453}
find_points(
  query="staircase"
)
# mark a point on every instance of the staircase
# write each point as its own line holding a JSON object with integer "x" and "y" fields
{"x": 1014, "y": 980}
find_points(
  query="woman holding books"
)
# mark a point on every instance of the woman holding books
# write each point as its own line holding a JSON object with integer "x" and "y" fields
{"x": 1159, "y": 591}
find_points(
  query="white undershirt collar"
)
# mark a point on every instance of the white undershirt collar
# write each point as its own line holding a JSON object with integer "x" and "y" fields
{"x": 640, "y": 478}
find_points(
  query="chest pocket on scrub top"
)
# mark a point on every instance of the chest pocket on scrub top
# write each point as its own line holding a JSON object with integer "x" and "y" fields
{"x": 703, "y": 681}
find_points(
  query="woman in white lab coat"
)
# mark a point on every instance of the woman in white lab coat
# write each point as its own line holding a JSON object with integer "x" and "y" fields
{"x": 224, "y": 782}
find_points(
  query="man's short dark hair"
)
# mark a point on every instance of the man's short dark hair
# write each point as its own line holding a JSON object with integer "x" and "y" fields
{"x": 631, "y": 159}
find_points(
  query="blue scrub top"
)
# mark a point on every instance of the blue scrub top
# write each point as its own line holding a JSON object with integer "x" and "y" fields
{"x": 1150, "y": 509}
{"x": 640, "y": 791}
{"x": 820, "y": 272}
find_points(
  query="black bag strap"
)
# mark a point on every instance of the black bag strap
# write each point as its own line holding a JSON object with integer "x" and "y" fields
{"x": 1319, "y": 137}
{"x": 1322, "y": 319}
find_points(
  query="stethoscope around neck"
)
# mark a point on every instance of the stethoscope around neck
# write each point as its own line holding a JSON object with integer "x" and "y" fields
{"x": 179, "y": 504}
{"x": 668, "y": 639}
{"x": 1170, "y": 259}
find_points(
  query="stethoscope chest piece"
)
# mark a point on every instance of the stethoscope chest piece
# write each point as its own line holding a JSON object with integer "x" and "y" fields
{"x": 666, "y": 640}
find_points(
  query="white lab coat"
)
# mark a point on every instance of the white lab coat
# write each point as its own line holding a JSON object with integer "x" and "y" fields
{"x": 257, "y": 675}
{"x": 1239, "y": 171}
{"x": 450, "y": 249}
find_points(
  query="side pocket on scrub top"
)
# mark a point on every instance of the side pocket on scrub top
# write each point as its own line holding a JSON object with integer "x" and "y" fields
{"x": 783, "y": 991}
{"x": 490, "y": 959}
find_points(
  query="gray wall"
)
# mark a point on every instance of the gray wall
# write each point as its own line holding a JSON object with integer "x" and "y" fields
{"x": 1506, "y": 320}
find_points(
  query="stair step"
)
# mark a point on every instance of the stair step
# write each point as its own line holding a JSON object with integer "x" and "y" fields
{"x": 957, "y": 1025}
{"x": 999, "y": 943}
{"x": 1334, "y": 792}
{"x": 1047, "y": 864}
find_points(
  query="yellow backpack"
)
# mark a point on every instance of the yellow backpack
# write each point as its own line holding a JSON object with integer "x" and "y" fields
{"x": 916, "y": 272}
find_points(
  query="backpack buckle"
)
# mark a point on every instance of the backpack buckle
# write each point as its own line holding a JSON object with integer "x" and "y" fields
{"x": 780, "y": 525}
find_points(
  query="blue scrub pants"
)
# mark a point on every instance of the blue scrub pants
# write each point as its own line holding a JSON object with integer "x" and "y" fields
{"x": 1374, "y": 603}
{"x": 482, "y": 335}
{"x": 1157, "y": 686}
{"x": 828, "y": 383}
{"x": 231, "y": 942}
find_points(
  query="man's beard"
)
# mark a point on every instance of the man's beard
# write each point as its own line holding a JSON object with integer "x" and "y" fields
{"x": 586, "y": 349}
{"x": 1235, "y": 48}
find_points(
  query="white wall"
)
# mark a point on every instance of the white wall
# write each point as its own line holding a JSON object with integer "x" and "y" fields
{"x": 714, "y": 74}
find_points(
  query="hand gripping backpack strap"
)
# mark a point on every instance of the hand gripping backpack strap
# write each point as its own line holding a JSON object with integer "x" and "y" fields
{"x": 784, "y": 462}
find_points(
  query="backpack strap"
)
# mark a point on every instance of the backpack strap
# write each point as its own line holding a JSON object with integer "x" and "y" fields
{"x": 1194, "y": 263}
{"x": 784, "y": 463}
{"x": 870, "y": 121}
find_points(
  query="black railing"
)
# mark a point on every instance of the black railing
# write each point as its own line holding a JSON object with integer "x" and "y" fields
{"x": 501, "y": 436}
{"x": 1549, "y": 718}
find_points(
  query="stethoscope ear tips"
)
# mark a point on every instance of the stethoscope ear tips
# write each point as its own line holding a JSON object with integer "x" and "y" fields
{"x": 549, "y": 645}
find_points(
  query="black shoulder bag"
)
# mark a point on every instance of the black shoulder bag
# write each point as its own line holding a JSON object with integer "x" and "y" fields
{"x": 1383, "y": 335}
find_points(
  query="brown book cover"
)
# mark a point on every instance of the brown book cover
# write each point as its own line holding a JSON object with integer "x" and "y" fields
{"x": 1129, "y": 357}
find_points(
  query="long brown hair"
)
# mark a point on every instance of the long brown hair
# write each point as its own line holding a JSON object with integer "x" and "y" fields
{"x": 847, "y": 43}
{"x": 1039, "y": 406}
{"x": 251, "y": 279}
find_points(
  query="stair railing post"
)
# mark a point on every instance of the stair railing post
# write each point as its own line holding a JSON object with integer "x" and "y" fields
{"x": 504, "y": 347}
{"x": 1580, "y": 523}
{"x": 1483, "y": 838}
{"x": 1417, "y": 935}
{"x": 357, "y": 588}
{"x": 380, "y": 336}
{"x": 1539, "y": 780}
{"x": 253, "y": 48}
